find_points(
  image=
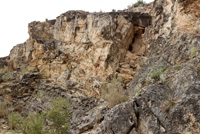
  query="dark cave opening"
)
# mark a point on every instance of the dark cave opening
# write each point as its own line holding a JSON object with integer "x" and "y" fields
{"x": 130, "y": 47}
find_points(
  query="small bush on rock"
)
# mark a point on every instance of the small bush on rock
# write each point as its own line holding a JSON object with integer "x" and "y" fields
{"x": 114, "y": 93}
{"x": 138, "y": 3}
{"x": 14, "y": 120}
{"x": 8, "y": 76}
{"x": 59, "y": 116}
{"x": 33, "y": 124}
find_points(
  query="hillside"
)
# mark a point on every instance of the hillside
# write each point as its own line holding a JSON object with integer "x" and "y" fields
{"x": 135, "y": 71}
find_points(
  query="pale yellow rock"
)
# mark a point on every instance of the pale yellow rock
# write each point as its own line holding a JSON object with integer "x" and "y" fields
{"x": 88, "y": 46}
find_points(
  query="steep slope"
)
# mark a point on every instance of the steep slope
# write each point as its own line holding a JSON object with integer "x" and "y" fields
{"x": 155, "y": 53}
{"x": 72, "y": 57}
{"x": 168, "y": 83}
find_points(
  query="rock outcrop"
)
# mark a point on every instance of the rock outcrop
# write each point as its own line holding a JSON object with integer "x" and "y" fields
{"x": 153, "y": 49}
{"x": 81, "y": 47}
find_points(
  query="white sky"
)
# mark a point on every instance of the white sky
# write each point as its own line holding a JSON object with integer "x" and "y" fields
{"x": 16, "y": 14}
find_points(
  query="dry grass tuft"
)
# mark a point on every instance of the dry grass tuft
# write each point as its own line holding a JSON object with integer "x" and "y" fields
{"x": 114, "y": 93}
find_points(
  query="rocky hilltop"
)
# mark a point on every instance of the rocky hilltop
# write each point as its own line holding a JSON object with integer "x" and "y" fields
{"x": 152, "y": 50}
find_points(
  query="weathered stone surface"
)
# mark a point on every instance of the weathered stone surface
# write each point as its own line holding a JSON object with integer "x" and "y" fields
{"x": 121, "y": 119}
{"x": 86, "y": 45}
{"x": 157, "y": 58}
{"x": 167, "y": 103}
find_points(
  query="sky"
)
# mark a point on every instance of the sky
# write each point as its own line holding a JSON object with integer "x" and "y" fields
{"x": 16, "y": 14}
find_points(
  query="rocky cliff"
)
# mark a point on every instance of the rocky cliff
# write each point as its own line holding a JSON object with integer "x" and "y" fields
{"x": 154, "y": 50}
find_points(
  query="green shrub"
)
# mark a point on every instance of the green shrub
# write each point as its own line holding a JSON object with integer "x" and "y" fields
{"x": 138, "y": 3}
{"x": 14, "y": 120}
{"x": 156, "y": 75}
{"x": 59, "y": 116}
{"x": 114, "y": 93}
{"x": 33, "y": 124}
{"x": 113, "y": 10}
{"x": 8, "y": 76}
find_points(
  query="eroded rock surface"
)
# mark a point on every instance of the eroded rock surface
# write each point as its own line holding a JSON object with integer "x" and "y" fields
{"x": 80, "y": 47}
{"x": 154, "y": 49}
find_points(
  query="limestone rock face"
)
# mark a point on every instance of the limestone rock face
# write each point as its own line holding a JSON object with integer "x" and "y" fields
{"x": 124, "y": 116}
{"x": 153, "y": 49}
{"x": 85, "y": 46}
{"x": 167, "y": 85}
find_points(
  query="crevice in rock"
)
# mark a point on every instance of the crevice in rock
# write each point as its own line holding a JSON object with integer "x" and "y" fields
{"x": 113, "y": 132}
{"x": 152, "y": 113}
{"x": 137, "y": 114}
{"x": 132, "y": 127}
{"x": 101, "y": 120}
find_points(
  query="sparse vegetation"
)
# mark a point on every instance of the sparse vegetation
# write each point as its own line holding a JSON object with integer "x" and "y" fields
{"x": 186, "y": 57}
{"x": 5, "y": 109}
{"x": 138, "y": 3}
{"x": 193, "y": 52}
{"x": 33, "y": 124}
{"x": 14, "y": 120}
{"x": 156, "y": 74}
{"x": 59, "y": 116}
{"x": 8, "y": 76}
{"x": 113, "y": 10}
{"x": 164, "y": 69}
{"x": 147, "y": 82}
{"x": 25, "y": 69}
{"x": 58, "y": 119}
{"x": 114, "y": 93}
